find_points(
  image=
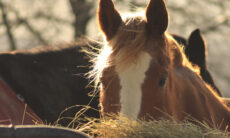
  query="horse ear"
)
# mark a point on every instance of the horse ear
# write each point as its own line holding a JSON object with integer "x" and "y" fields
{"x": 157, "y": 17}
{"x": 196, "y": 49}
{"x": 109, "y": 19}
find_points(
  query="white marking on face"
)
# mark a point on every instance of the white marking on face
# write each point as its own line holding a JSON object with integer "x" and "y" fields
{"x": 131, "y": 80}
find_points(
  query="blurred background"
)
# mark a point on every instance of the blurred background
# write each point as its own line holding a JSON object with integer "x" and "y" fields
{"x": 25, "y": 24}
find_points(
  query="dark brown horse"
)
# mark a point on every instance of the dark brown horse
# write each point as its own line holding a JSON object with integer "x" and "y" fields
{"x": 144, "y": 74}
{"x": 50, "y": 79}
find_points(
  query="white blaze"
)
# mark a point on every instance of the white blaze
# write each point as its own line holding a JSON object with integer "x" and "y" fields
{"x": 131, "y": 80}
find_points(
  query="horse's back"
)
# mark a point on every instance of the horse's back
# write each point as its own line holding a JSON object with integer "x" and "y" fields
{"x": 50, "y": 79}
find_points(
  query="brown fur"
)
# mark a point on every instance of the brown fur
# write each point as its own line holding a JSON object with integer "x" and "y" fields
{"x": 108, "y": 96}
{"x": 226, "y": 101}
{"x": 184, "y": 93}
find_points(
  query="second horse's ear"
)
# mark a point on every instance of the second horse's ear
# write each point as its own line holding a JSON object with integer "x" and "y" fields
{"x": 157, "y": 17}
{"x": 109, "y": 19}
{"x": 196, "y": 49}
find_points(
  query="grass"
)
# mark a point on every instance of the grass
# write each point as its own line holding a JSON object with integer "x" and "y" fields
{"x": 126, "y": 128}
{"x": 112, "y": 127}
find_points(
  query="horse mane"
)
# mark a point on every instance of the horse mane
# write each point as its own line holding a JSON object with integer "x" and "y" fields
{"x": 178, "y": 56}
{"x": 180, "y": 59}
{"x": 40, "y": 49}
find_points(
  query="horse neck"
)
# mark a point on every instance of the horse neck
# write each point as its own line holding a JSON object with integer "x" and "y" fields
{"x": 195, "y": 98}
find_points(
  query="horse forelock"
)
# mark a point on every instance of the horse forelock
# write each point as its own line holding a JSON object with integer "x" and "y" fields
{"x": 129, "y": 41}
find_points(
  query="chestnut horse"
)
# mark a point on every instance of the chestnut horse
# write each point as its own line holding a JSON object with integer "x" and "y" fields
{"x": 144, "y": 74}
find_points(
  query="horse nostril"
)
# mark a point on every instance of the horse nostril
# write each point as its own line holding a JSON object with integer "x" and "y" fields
{"x": 162, "y": 82}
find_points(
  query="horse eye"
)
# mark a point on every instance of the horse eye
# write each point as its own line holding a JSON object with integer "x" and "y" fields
{"x": 162, "y": 82}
